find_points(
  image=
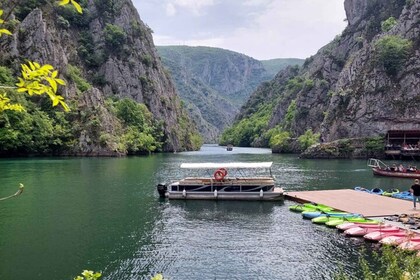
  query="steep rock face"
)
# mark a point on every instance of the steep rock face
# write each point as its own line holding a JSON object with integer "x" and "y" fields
{"x": 115, "y": 51}
{"x": 346, "y": 92}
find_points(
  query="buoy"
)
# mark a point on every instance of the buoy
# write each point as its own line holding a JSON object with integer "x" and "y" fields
{"x": 184, "y": 193}
{"x": 215, "y": 193}
{"x": 261, "y": 193}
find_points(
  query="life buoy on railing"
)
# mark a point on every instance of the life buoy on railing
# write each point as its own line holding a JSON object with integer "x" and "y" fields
{"x": 220, "y": 174}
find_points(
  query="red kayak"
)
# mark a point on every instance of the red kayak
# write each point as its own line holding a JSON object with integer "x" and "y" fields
{"x": 346, "y": 226}
{"x": 378, "y": 235}
{"x": 410, "y": 245}
{"x": 359, "y": 231}
{"x": 397, "y": 240}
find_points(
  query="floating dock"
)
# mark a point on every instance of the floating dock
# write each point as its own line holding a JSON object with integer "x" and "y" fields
{"x": 352, "y": 201}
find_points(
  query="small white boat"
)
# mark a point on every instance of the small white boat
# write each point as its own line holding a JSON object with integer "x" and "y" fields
{"x": 225, "y": 181}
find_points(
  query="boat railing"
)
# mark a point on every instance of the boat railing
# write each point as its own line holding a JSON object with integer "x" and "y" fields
{"x": 376, "y": 163}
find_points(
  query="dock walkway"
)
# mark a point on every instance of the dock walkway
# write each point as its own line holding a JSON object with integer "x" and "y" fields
{"x": 366, "y": 204}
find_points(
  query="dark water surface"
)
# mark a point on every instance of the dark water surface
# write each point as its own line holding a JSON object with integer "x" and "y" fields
{"x": 104, "y": 214}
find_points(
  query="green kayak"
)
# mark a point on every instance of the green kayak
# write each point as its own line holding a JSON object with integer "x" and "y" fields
{"x": 310, "y": 207}
{"x": 333, "y": 219}
{"x": 334, "y": 223}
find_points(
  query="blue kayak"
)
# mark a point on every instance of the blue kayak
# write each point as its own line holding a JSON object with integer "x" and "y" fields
{"x": 314, "y": 214}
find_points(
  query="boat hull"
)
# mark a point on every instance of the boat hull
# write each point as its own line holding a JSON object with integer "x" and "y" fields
{"x": 275, "y": 194}
{"x": 381, "y": 172}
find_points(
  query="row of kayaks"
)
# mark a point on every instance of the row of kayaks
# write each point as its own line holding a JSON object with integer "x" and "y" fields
{"x": 396, "y": 193}
{"x": 355, "y": 225}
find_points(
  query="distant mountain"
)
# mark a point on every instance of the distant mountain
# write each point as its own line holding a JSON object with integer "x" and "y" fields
{"x": 214, "y": 83}
{"x": 273, "y": 66}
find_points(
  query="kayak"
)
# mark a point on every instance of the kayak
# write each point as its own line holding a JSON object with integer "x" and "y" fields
{"x": 410, "y": 245}
{"x": 373, "y": 224}
{"x": 314, "y": 214}
{"x": 362, "y": 220}
{"x": 403, "y": 195}
{"x": 391, "y": 192}
{"x": 397, "y": 240}
{"x": 309, "y": 207}
{"x": 360, "y": 231}
{"x": 338, "y": 220}
{"x": 372, "y": 191}
{"x": 378, "y": 235}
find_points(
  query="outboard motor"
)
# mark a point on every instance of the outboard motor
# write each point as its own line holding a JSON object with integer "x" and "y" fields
{"x": 162, "y": 189}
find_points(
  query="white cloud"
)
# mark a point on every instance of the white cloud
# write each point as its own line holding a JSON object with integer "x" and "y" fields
{"x": 262, "y": 29}
{"x": 170, "y": 9}
{"x": 196, "y": 7}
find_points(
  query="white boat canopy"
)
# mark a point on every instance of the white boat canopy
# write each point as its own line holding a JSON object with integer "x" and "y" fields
{"x": 215, "y": 165}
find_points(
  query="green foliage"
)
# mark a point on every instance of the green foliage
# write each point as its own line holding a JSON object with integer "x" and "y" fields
{"x": 392, "y": 51}
{"x": 295, "y": 84}
{"x": 142, "y": 134}
{"x": 114, "y": 37}
{"x": 392, "y": 263}
{"x": 290, "y": 114}
{"x": 88, "y": 275}
{"x": 33, "y": 131}
{"x": 91, "y": 57}
{"x": 375, "y": 144}
{"x": 279, "y": 140}
{"x": 75, "y": 74}
{"x": 308, "y": 139}
{"x": 73, "y": 17}
{"x": 196, "y": 141}
{"x": 6, "y": 76}
{"x": 388, "y": 24}
{"x": 249, "y": 129}
{"x": 26, "y": 6}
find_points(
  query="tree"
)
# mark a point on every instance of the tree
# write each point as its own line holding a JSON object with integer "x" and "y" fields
{"x": 36, "y": 79}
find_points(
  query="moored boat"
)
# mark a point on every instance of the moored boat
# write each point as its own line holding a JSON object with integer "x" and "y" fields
{"x": 230, "y": 181}
{"x": 381, "y": 169}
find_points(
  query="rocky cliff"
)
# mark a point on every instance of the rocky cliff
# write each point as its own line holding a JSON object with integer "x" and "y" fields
{"x": 114, "y": 53}
{"x": 362, "y": 84}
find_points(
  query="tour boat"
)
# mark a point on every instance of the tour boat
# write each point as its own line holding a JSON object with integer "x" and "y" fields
{"x": 225, "y": 181}
{"x": 381, "y": 169}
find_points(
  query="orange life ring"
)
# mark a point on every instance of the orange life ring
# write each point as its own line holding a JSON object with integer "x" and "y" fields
{"x": 220, "y": 174}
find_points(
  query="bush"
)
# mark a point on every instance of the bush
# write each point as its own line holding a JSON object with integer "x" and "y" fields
{"x": 387, "y": 25}
{"x": 280, "y": 141}
{"x": 75, "y": 74}
{"x": 308, "y": 139}
{"x": 392, "y": 51}
{"x": 114, "y": 37}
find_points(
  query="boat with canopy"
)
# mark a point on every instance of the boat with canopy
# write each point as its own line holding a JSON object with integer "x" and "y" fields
{"x": 224, "y": 181}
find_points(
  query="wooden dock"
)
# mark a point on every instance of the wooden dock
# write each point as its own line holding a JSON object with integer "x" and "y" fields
{"x": 366, "y": 204}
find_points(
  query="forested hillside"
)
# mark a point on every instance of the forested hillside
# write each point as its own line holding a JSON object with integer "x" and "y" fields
{"x": 122, "y": 101}
{"x": 214, "y": 83}
{"x": 362, "y": 84}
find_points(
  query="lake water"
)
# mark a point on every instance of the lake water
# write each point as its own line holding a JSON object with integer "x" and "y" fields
{"x": 104, "y": 214}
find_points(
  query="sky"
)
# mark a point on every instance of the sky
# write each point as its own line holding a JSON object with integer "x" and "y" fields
{"x": 262, "y": 29}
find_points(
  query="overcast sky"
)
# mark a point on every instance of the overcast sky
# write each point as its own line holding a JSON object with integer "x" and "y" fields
{"x": 262, "y": 29}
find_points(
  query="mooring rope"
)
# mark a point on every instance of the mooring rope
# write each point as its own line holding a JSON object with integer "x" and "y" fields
{"x": 20, "y": 190}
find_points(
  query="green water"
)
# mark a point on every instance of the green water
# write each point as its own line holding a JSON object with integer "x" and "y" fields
{"x": 104, "y": 214}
